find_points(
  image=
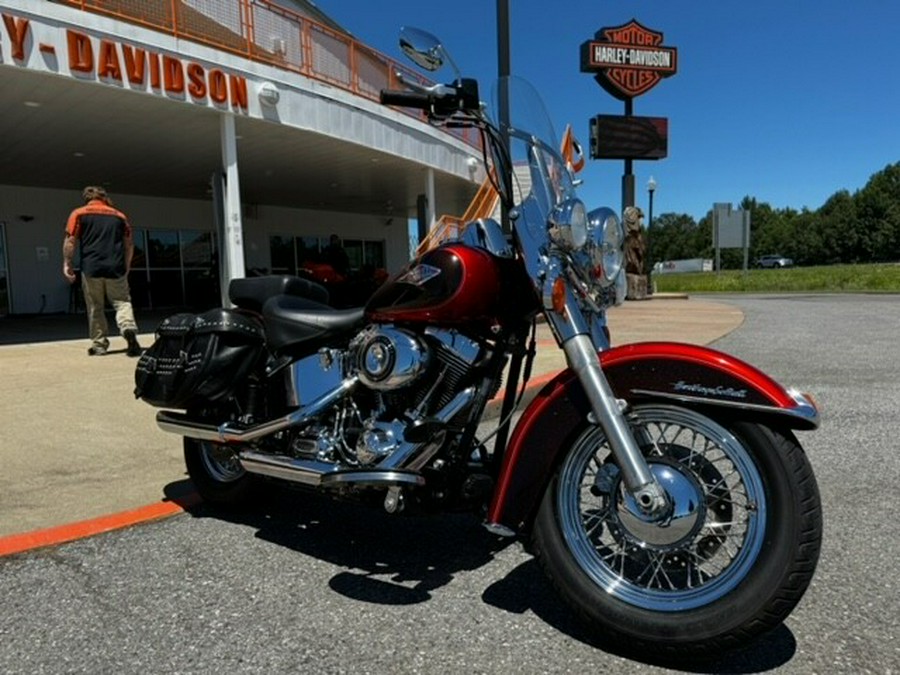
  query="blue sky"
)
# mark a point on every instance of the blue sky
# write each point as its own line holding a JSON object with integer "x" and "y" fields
{"x": 787, "y": 101}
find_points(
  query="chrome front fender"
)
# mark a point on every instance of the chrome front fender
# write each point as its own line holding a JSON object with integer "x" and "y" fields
{"x": 688, "y": 375}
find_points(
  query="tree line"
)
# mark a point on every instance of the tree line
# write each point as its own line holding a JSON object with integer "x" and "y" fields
{"x": 863, "y": 227}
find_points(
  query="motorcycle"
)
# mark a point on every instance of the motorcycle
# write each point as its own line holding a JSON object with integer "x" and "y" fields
{"x": 660, "y": 485}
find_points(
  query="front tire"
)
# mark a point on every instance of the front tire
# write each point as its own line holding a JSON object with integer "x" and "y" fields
{"x": 217, "y": 473}
{"x": 731, "y": 561}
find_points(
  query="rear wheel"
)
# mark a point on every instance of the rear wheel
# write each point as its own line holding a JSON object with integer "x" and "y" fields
{"x": 730, "y": 560}
{"x": 217, "y": 473}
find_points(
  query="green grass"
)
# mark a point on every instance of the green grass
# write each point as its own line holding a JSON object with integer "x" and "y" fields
{"x": 883, "y": 278}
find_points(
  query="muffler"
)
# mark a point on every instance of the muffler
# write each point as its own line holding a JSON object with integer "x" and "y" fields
{"x": 311, "y": 472}
{"x": 304, "y": 471}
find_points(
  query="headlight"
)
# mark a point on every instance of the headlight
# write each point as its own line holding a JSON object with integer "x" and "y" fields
{"x": 608, "y": 240}
{"x": 567, "y": 225}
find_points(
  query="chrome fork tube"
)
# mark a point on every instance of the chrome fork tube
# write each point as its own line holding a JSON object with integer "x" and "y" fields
{"x": 573, "y": 334}
{"x": 582, "y": 357}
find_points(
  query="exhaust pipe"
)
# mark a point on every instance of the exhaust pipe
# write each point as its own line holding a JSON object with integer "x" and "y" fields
{"x": 179, "y": 423}
{"x": 306, "y": 472}
{"x": 400, "y": 468}
{"x": 315, "y": 474}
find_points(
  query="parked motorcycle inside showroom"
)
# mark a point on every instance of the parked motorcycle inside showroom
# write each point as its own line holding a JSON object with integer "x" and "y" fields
{"x": 660, "y": 485}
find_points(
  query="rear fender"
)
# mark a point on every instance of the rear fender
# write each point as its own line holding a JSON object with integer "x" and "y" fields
{"x": 687, "y": 375}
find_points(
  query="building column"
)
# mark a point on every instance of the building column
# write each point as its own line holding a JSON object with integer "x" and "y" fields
{"x": 231, "y": 236}
{"x": 431, "y": 218}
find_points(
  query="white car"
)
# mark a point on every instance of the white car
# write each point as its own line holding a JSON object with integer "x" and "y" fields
{"x": 774, "y": 261}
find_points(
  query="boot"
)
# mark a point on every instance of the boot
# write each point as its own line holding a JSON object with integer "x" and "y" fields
{"x": 134, "y": 347}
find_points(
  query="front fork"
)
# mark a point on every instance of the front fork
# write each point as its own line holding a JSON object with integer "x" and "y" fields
{"x": 639, "y": 480}
{"x": 580, "y": 340}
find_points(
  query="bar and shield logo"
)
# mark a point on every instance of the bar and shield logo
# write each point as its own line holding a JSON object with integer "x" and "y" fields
{"x": 628, "y": 60}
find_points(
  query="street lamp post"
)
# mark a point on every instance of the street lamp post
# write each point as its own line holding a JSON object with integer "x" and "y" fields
{"x": 651, "y": 188}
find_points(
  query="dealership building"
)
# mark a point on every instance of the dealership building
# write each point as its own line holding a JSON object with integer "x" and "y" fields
{"x": 236, "y": 135}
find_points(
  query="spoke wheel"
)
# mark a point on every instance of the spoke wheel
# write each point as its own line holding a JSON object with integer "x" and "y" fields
{"x": 217, "y": 473}
{"x": 220, "y": 462}
{"x": 700, "y": 549}
{"x": 729, "y": 559}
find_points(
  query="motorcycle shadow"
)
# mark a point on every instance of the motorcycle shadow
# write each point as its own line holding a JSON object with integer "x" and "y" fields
{"x": 400, "y": 560}
{"x": 768, "y": 652}
{"x": 392, "y": 559}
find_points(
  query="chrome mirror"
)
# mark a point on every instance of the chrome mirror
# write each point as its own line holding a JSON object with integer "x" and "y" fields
{"x": 422, "y": 47}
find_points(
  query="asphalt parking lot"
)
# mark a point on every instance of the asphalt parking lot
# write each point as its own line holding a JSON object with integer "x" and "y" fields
{"x": 304, "y": 584}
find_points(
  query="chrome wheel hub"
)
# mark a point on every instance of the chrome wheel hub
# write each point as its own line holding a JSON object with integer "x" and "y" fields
{"x": 682, "y": 518}
{"x": 221, "y": 462}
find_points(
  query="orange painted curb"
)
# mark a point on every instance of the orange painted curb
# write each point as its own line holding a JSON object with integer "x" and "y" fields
{"x": 17, "y": 543}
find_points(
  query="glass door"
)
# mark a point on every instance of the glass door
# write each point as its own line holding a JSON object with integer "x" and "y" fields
{"x": 4, "y": 275}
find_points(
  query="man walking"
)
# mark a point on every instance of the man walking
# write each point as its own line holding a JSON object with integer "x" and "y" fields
{"x": 107, "y": 246}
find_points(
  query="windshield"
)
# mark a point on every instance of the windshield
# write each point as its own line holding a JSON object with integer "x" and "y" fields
{"x": 540, "y": 176}
{"x": 538, "y": 168}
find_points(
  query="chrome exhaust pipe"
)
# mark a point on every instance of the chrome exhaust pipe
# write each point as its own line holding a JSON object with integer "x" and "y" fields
{"x": 400, "y": 468}
{"x": 316, "y": 474}
{"x": 179, "y": 423}
{"x": 304, "y": 471}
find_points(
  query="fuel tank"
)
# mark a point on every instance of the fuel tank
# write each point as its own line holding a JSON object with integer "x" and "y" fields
{"x": 452, "y": 285}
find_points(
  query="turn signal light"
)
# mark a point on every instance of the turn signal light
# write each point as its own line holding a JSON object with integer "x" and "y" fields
{"x": 812, "y": 400}
{"x": 558, "y": 296}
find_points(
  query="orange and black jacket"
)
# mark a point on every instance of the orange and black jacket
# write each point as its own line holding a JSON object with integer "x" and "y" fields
{"x": 102, "y": 231}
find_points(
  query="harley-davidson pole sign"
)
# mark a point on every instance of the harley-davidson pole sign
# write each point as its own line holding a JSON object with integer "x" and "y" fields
{"x": 628, "y": 60}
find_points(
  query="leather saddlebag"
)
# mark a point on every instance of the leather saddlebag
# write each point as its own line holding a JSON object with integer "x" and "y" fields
{"x": 198, "y": 359}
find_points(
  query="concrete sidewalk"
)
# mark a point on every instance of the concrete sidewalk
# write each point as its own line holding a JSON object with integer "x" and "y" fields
{"x": 76, "y": 444}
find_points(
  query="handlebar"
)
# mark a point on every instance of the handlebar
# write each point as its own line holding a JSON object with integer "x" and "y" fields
{"x": 406, "y": 99}
{"x": 440, "y": 101}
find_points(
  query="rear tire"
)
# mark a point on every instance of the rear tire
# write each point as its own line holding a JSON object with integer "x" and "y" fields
{"x": 736, "y": 556}
{"x": 217, "y": 473}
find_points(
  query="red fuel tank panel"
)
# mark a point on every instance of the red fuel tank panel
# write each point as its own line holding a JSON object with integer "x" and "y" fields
{"x": 450, "y": 285}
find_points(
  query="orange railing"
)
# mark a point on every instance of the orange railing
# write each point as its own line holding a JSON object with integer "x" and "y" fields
{"x": 448, "y": 227}
{"x": 261, "y": 31}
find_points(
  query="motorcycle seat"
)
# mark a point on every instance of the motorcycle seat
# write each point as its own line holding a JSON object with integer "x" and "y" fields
{"x": 252, "y": 292}
{"x": 293, "y": 321}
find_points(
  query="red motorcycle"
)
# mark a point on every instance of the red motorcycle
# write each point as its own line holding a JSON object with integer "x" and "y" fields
{"x": 660, "y": 485}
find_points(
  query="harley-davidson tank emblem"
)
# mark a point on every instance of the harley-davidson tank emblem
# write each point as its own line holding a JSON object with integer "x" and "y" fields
{"x": 628, "y": 60}
{"x": 419, "y": 274}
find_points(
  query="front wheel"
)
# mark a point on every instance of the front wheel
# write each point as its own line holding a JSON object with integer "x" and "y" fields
{"x": 217, "y": 473}
{"x": 731, "y": 558}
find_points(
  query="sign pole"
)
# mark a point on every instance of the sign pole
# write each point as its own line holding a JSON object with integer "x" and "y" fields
{"x": 628, "y": 176}
{"x": 503, "y": 72}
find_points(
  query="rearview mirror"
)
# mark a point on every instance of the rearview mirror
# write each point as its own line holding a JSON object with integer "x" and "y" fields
{"x": 422, "y": 47}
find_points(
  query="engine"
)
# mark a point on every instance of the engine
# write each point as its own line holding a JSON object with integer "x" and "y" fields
{"x": 411, "y": 384}
{"x": 390, "y": 358}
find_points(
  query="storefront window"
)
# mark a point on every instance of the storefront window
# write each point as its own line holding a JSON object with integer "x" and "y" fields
{"x": 354, "y": 249}
{"x": 374, "y": 254}
{"x": 165, "y": 288}
{"x": 201, "y": 288}
{"x": 289, "y": 254}
{"x": 174, "y": 268}
{"x": 4, "y": 282}
{"x": 196, "y": 248}
{"x": 308, "y": 249}
{"x": 139, "y": 260}
{"x": 281, "y": 253}
{"x": 162, "y": 248}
